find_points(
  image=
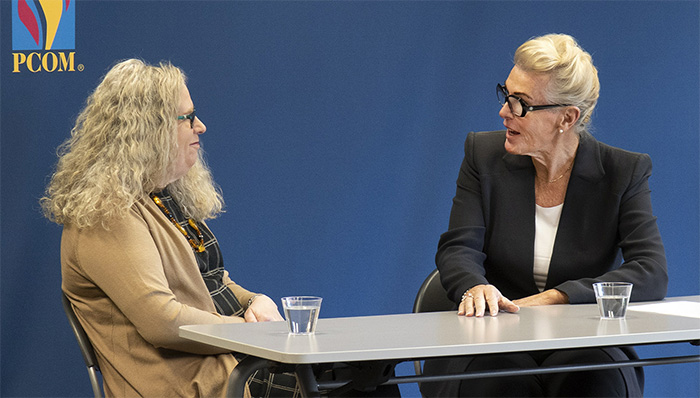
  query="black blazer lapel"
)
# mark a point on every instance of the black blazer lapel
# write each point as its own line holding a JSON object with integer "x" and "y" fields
{"x": 580, "y": 214}
{"x": 514, "y": 226}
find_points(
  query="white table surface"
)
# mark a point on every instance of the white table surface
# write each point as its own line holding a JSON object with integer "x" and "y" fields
{"x": 411, "y": 336}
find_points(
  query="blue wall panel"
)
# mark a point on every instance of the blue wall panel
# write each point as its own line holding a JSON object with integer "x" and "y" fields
{"x": 335, "y": 130}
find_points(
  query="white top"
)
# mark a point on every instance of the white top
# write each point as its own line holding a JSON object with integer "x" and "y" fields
{"x": 546, "y": 225}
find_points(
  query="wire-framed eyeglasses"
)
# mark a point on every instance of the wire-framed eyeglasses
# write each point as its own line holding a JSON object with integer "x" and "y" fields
{"x": 189, "y": 116}
{"x": 517, "y": 105}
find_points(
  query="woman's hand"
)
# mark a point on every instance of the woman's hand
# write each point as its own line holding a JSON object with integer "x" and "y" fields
{"x": 480, "y": 297}
{"x": 548, "y": 297}
{"x": 262, "y": 309}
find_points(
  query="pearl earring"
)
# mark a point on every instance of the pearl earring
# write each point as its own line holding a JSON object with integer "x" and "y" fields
{"x": 561, "y": 131}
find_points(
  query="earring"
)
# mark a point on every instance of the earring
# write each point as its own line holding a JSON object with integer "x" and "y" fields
{"x": 561, "y": 131}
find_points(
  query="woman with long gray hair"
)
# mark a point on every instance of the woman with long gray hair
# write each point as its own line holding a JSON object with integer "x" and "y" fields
{"x": 132, "y": 192}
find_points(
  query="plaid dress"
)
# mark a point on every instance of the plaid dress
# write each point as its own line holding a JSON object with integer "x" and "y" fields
{"x": 211, "y": 266}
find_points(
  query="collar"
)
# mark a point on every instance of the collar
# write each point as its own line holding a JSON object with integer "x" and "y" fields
{"x": 587, "y": 164}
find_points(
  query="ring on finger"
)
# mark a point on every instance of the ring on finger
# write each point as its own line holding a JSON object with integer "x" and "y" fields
{"x": 467, "y": 295}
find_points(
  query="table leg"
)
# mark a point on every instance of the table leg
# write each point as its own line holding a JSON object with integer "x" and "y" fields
{"x": 307, "y": 381}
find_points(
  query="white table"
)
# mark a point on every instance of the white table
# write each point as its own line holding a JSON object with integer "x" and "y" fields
{"x": 389, "y": 339}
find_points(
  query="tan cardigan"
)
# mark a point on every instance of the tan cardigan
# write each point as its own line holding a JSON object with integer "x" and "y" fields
{"x": 132, "y": 286}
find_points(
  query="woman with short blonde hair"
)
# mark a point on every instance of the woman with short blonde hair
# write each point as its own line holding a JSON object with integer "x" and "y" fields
{"x": 542, "y": 211}
{"x": 573, "y": 77}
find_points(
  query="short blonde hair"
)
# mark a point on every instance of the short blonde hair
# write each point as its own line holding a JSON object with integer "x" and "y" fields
{"x": 123, "y": 147}
{"x": 573, "y": 77}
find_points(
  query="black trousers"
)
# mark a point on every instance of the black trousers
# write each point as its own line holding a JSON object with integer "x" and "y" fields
{"x": 623, "y": 382}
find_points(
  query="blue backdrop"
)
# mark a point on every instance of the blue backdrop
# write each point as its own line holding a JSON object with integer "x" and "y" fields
{"x": 335, "y": 130}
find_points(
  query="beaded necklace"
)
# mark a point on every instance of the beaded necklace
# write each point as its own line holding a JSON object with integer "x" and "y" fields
{"x": 198, "y": 247}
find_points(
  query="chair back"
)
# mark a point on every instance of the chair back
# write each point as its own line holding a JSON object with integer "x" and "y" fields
{"x": 432, "y": 296}
{"x": 85, "y": 347}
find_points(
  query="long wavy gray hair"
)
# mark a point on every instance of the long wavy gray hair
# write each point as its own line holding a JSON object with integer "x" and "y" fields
{"x": 123, "y": 147}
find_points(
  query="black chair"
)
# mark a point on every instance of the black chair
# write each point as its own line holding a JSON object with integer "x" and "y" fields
{"x": 85, "y": 347}
{"x": 431, "y": 297}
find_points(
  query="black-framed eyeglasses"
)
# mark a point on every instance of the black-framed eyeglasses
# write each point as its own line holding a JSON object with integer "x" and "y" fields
{"x": 516, "y": 104}
{"x": 190, "y": 116}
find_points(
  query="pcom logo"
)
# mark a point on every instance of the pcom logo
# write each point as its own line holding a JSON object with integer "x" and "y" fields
{"x": 41, "y": 32}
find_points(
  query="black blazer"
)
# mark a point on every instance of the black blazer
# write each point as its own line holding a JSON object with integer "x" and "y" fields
{"x": 606, "y": 215}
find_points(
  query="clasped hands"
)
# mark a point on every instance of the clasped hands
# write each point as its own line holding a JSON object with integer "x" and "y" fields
{"x": 262, "y": 309}
{"x": 480, "y": 298}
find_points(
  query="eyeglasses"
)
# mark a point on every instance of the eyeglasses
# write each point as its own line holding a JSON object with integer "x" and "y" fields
{"x": 516, "y": 104}
{"x": 190, "y": 116}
